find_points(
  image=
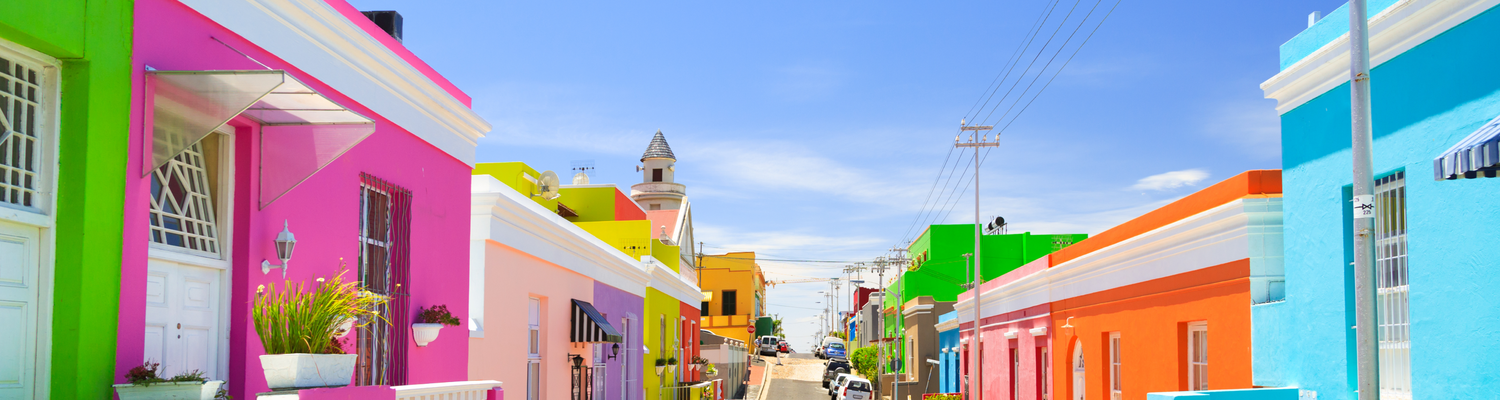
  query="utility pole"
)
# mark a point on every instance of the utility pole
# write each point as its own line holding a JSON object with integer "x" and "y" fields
{"x": 975, "y": 142}
{"x": 1364, "y": 203}
{"x": 879, "y": 320}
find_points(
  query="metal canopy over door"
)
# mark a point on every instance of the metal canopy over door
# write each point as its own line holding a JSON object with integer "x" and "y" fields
{"x": 182, "y": 317}
{"x": 20, "y": 252}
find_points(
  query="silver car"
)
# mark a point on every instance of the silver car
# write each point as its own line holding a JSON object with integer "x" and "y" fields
{"x": 855, "y": 389}
{"x": 838, "y": 383}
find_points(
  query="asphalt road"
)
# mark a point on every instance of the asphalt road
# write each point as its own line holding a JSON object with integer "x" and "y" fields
{"x": 794, "y": 389}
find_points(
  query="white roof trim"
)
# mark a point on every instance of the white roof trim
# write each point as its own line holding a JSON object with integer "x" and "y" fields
{"x": 916, "y": 309}
{"x": 669, "y": 282}
{"x": 1214, "y": 237}
{"x": 317, "y": 39}
{"x": 1394, "y": 31}
{"x": 503, "y": 215}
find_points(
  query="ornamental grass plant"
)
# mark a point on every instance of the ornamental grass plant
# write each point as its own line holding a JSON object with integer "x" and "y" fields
{"x": 304, "y": 320}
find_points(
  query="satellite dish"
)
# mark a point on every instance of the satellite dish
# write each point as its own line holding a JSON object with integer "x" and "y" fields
{"x": 548, "y": 185}
{"x": 580, "y": 178}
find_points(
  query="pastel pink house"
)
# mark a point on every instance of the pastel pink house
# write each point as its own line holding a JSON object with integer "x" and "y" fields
{"x": 255, "y": 116}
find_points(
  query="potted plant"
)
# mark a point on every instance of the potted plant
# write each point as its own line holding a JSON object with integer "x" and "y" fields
{"x": 661, "y": 365}
{"x": 146, "y": 384}
{"x": 672, "y": 364}
{"x": 709, "y": 370}
{"x": 429, "y": 321}
{"x": 296, "y": 326}
{"x": 699, "y": 362}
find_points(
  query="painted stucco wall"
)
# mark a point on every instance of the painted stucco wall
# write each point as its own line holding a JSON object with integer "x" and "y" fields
{"x": 1152, "y": 318}
{"x": 738, "y": 272}
{"x": 1423, "y": 101}
{"x": 323, "y": 211}
{"x": 948, "y": 374}
{"x": 1320, "y": 34}
{"x": 513, "y": 277}
{"x": 618, "y": 305}
{"x": 661, "y": 310}
{"x": 996, "y": 349}
{"x": 91, "y": 40}
{"x": 939, "y": 263}
{"x": 634, "y": 238}
{"x": 688, "y": 334}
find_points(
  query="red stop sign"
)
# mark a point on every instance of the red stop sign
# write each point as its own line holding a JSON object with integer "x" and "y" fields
{"x": 750, "y": 329}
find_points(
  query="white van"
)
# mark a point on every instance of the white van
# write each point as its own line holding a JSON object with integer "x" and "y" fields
{"x": 767, "y": 345}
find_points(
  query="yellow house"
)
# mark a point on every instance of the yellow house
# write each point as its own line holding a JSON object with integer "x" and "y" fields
{"x": 734, "y": 294}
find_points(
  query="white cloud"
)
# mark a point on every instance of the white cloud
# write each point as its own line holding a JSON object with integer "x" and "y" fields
{"x": 1171, "y": 180}
{"x": 1252, "y": 127}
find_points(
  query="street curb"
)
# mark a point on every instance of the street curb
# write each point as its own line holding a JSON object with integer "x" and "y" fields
{"x": 765, "y": 381}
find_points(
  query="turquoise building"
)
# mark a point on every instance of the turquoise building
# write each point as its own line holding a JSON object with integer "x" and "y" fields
{"x": 948, "y": 353}
{"x": 1435, "y": 99}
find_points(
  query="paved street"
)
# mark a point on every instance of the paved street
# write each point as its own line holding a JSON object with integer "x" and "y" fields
{"x": 798, "y": 378}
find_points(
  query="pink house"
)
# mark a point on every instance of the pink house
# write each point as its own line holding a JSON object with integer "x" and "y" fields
{"x": 1017, "y": 336}
{"x": 254, "y": 117}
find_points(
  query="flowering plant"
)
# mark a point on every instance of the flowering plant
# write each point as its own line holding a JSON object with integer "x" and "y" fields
{"x": 437, "y": 314}
{"x": 302, "y": 320}
{"x": 671, "y": 360}
{"x": 147, "y": 374}
{"x": 699, "y": 360}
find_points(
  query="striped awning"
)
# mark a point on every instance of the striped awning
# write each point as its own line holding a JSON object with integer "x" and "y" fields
{"x": 589, "y": 326}
{"x": 1476, "y": 156}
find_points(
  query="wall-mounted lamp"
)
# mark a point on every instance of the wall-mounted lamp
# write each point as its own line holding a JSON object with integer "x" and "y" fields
{"x": 614, "y": 351}
{"x": 285, "y": 242}
{"x": 1068, "y": 325}
{"x": 577, "y": 361}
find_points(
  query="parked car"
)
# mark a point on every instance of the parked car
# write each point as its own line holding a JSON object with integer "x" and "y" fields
{"x": 833, "y": 369}
{"x": 823, "y": 346}
{"x": 838, "y": 383}
{"x": 784, "y": 347}
{"x": 834, "y": 351}
{"x": 767, "y": 345}
{"x": 855, "y": 389}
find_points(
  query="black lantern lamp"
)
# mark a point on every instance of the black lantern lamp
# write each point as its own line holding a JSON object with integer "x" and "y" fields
{"x": 285, "y": 242}
{"x": 614, "y": 350}
{"x": 577, "y": 361}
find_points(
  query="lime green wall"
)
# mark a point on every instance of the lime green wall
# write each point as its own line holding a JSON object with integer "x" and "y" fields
{"x": 660, "y": 307}
{"x": 591, "y": 203}
{"x": 635, "y": 239}
{"x": 92, "y": 40}
{"x": 939, "y": 268}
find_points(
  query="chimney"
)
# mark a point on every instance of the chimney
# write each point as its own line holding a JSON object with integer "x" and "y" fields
{"x": 388, "y": 21}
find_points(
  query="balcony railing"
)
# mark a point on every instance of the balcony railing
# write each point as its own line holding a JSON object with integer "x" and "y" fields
{"x": 720, "y": 321}
{"x": 467, "y": 390}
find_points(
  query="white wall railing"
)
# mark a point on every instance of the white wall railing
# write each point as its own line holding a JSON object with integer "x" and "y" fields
{"x": 466, "y": 390}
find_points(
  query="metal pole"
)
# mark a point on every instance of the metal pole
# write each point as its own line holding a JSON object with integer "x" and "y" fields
{"x": 1364, "y": 203}
{"x": 975, "y": 141}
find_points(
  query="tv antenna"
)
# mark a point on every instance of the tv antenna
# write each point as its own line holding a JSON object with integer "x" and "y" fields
{"x": 581, "y": 177}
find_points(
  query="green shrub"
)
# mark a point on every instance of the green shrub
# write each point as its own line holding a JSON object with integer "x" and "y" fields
{"x": 864, "y": 360}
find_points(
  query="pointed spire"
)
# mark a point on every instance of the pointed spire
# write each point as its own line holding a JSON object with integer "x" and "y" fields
{"x": 658, "y": 148}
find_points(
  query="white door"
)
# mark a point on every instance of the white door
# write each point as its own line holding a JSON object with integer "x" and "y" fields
{"x": 20, "y": 248}
{"x": 182, "y": 317}
{"x": 1079, "y": 383}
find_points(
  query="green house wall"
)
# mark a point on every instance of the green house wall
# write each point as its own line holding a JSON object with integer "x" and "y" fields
{"x": 938, "y": 268}
{"x": 92, "y": 42}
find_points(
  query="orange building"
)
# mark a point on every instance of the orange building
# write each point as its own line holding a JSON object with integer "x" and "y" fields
{"x": 734, "y": 294}
{"x": 1160, "y": 303}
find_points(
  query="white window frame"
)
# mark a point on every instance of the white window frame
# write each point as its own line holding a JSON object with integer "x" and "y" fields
{"x": 1393, "y": 316}
{"x": 627, "y": 380}
{"x": 42, "y": 217}
{"x": 219, "y": 202}
{"x": 1046, "y": 373}
{"x": 1197, "y": 355}
{"x": 224, "y": 212}
{"x": 534, "y": 347}
{"x": 1116, "y": 389}
{"x": 44, "y": 200}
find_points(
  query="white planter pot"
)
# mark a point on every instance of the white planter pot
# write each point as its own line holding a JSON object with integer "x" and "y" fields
{"x": 659, "y": 369}
{"x": 169, "y": 391}
{"x": 425, "y": 333}
{"x": 672, "y": 368}
{"x": 302, "y": 371}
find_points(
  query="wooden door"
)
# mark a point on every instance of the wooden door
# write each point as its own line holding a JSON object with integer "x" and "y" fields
{"x": 20, "y": 265}
{"x": 182, "y": 317}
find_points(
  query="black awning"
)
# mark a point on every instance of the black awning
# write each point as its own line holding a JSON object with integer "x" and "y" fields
{"x": 1478, "y": 155}
{"x": 589, "y": 326}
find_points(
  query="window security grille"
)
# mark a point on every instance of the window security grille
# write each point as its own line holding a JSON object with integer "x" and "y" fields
{"x": 20, "y": 132}
{"x": 1115, "y": 387}
{"x": 384, "y": 268}
{"x": 533, "y": 348}
{"x": 182, "y": 204}
{"x": 1392, "y": 292}
{"x": 1198, "y": 356}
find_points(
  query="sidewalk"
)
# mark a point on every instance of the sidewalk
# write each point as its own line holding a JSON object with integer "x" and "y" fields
{"x": 757, "y": 378}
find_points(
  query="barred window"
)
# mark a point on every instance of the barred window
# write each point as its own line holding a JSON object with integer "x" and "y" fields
{"x": 21, "y": 147}
{"x": 182, "y": 200}
{"x": 1392, "y": 292}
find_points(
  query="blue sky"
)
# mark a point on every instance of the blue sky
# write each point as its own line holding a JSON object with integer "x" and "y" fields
{"x": 815, "y": 130}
